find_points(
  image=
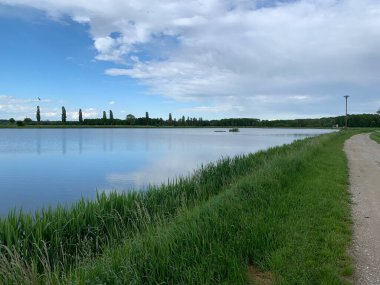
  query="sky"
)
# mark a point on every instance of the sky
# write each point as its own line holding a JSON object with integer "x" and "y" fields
{"x": 265, "y": 59}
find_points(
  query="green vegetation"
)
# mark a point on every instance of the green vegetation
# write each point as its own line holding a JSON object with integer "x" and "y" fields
{"x": 286, "y": 211}
{"x": 63, "y": 116}
{"x": 359, "y": 121}
{"x": 376, "y": 136}
{"x": 38, "y": 114}
{"x": 170, "y": 121}
{"x": 80, "y": 116}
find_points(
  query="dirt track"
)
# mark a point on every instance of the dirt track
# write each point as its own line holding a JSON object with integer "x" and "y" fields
{"x": 364, "y": 162}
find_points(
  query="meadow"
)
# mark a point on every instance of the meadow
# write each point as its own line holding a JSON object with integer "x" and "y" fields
{"x": 280, "y": 216}
{"x": 375, "y": 136}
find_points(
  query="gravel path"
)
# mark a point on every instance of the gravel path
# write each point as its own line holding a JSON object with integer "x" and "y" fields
{"x": 364, "y": 162}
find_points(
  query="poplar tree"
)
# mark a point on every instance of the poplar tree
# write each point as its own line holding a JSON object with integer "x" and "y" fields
{"x": 38, "y": 114}
{"x": 104, "y": 117}
{"x": 63, "y": 114}
{"x": 170, "y": 118}
{"x": 111, "y": 115}
{"x": 80, "y": 116}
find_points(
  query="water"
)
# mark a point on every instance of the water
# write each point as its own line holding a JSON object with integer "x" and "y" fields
{"x": 42, "y": 167}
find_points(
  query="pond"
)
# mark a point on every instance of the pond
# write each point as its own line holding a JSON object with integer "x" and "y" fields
{"x": 42, "y": 167}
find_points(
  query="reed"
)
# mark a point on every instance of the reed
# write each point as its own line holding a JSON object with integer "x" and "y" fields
{"x": 290, "y": 218}
{"x": 55, "y": 239}
{"x": 284, "y": 210}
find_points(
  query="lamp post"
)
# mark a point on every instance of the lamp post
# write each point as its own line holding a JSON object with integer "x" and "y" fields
{"x": 346, "y": 96}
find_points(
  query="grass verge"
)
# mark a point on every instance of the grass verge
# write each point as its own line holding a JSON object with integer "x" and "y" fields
{"x": 375, "y": 136}
{"x": 285, "y": 211}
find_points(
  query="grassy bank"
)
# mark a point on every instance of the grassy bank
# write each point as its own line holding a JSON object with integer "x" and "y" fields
{"x": 375, "y": 136}
{"x": 284, "y": 212}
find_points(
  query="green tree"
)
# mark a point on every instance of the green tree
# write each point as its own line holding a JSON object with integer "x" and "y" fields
{"x": 130, "y": 119}
{"x": 378, "y": 111}
{"x": 28, "y": 120}
{"x": 38, "y": 114}
{"x": 146, "y": 115}
{"x": 170, "y": 119}
{"x": 111, "y": 116}
{"x": 80, "y": 116}
{"x": 63, "y": 114}
{"x": 104, "y": 117}
{"x": 12, "y": 121}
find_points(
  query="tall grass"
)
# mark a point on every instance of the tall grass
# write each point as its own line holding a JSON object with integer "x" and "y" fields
{"x": 375, "y": 136}
{"x": 285, "y": 210}
{"x": 290, "y": 217}
{"x": 57, "y": 239}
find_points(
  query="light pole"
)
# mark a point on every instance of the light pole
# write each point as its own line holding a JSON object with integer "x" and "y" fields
{"x": 346, "y": 96}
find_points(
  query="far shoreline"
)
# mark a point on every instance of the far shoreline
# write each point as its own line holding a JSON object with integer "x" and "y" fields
{"x": 149, "y": 127}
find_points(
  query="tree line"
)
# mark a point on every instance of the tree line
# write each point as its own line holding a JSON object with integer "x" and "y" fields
{"x": 357, "y": 120}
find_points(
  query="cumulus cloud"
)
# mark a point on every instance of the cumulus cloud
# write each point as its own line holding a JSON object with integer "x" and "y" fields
{"x": 212, "y": 109}
{"x": 20, "y": 108}
{"x": 87, "y": 113}
{"x": 207, "y": 50}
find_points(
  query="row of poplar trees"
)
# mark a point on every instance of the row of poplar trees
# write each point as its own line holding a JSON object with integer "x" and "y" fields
{"x": 63, "y": 115}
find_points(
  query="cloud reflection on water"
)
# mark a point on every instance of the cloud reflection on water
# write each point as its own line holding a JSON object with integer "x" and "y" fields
{"x": 50, "y": 166}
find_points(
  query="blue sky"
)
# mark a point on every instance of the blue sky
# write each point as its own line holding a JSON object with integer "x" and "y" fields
{"x": 262, "y": 59}
{"x": 54, "y": 60}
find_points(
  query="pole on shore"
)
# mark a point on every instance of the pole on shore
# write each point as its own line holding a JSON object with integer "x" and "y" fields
{"x": 346, "y": 96}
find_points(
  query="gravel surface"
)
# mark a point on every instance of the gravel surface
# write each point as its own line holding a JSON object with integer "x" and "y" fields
{"x": 364, "y": 162}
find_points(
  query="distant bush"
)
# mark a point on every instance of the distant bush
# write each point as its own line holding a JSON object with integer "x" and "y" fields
{"x": 28, "y": 120}
{"x": 20, "y": 123}
{"x": 11, "y": 120}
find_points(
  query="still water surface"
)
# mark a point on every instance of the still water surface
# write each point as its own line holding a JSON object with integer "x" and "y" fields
{"x": 42, "y": 167}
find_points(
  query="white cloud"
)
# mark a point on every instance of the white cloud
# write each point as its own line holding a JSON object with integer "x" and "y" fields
{"x": 208, "y": 50}
{"x": 299, "y": 97}
{"x": 50, "y": 114}
{"x": 20, "y": 108}
{"x": 111, "y": 102}
{"x": 212, "y": 109}
{"x": 87, "y": 113}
